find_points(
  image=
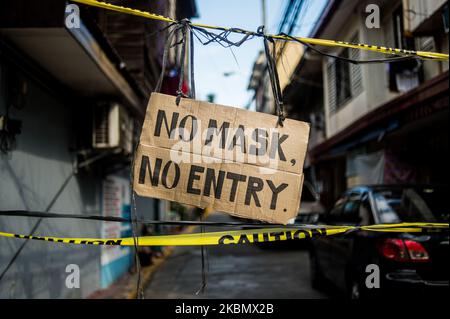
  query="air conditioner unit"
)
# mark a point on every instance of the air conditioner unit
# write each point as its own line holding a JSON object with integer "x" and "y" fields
{"x": 112, "y": 128}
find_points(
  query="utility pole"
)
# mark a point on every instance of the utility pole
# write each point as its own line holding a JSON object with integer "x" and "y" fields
{"x": 263, "y": 11}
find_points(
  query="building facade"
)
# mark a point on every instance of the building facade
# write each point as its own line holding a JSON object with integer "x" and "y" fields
{"x": 374, "y": 123}
{"x": 74, "y": 85}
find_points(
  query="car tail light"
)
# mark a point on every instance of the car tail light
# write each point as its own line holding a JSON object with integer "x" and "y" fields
{"x": 403, "y": 250}
{"x": 416, "y": 251}
{"x": 393, "y": 249}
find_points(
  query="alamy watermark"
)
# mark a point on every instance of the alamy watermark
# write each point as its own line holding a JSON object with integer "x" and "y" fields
{"x": 258, "y": 146}
{"x": 72, "y": 20}
{"x": 373, "y": 17}
{"x": 73, "y": 277}
{"x": 373, "y": 277}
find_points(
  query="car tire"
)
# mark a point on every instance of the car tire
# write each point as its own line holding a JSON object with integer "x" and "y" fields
{"x": 316, "y": 275}
{"x": 354, "y": 292}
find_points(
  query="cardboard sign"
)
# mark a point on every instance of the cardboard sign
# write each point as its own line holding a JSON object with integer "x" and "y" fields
{"x": 232, "y": 160}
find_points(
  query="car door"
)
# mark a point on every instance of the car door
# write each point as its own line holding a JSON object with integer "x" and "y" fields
{"x": 341, "y": 249}
{"x": 324, "y": 245}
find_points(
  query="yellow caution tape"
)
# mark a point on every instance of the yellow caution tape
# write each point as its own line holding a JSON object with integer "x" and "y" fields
{"x": 212, "y": 238}
{"x": 406, "y": 227}
{"x": 126, "y": 10}
{"x": 236, "y": 236}
{"x": 330, "y": 43}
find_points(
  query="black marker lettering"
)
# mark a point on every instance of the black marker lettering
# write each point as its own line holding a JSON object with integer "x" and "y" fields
{"x": 162, "y": 117}
{"x": 194, "y": 177}
{"x": 276, "y": 146}
{"x": 255, "y": 185}
{"x": 275, "y": 191}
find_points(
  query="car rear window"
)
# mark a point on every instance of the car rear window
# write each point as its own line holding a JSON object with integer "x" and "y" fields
{"x": 411, "y": 204}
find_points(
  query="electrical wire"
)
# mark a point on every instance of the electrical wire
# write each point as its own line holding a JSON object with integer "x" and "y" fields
{"x": 23, "y": 213}
{"x": 133, "y": 213}
{"x": 36, "y": 225}
{"x": 311, "y": 41}
{"x": 353, "y": 61}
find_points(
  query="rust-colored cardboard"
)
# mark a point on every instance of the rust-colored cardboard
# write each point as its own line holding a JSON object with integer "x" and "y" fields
{"x": 252, "y": 168}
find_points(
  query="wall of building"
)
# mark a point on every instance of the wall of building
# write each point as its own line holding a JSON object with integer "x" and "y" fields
{"x": 375, "y": 77}
{"x": 44, "y": 155}
{"x": 419, "y": 11}
{"x": 288, "y": 61}
{"x": 358, "y": 105}
{"x": 30, "y": 176}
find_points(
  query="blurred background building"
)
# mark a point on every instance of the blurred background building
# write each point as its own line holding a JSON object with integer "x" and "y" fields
{"x": 72, "y": 102}
{"x": 382, "y": 123}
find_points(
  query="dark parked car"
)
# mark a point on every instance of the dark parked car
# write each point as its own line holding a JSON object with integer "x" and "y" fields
{"x": 409, "y": 263}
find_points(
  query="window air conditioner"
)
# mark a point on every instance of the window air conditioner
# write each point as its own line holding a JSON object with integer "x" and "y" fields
{"x": 113, "y": 128}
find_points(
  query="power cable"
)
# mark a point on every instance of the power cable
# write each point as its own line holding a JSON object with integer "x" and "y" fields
{"x": 312, "y": 41}
{"x": 36, "y": 225}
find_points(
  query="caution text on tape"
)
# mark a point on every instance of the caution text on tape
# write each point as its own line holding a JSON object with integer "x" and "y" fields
{"x": 236, "y": 236}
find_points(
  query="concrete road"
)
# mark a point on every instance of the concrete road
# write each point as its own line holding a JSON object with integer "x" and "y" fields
{"x": 234, "y": 271}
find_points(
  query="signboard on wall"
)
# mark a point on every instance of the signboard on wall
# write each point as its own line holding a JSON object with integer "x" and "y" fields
{"x": 229, "y": 159}
{"x": 115, "y": 260}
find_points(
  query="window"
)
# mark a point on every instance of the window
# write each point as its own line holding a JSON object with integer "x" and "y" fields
{"x": 412, "y": 204}
{"x": 398, "y": 28}
{"x": 343, "y": 92}
{"x": 445, "y": 17}
{"x": 403, "y": 75}
{"x": 351, "y": 208}
{"x": 344, "y": 78}
{"x": 336, "y": 212}
{"x": 365, "y": 212}
{"x": 352, "y": 205}
{"x": 346, "y": 210}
